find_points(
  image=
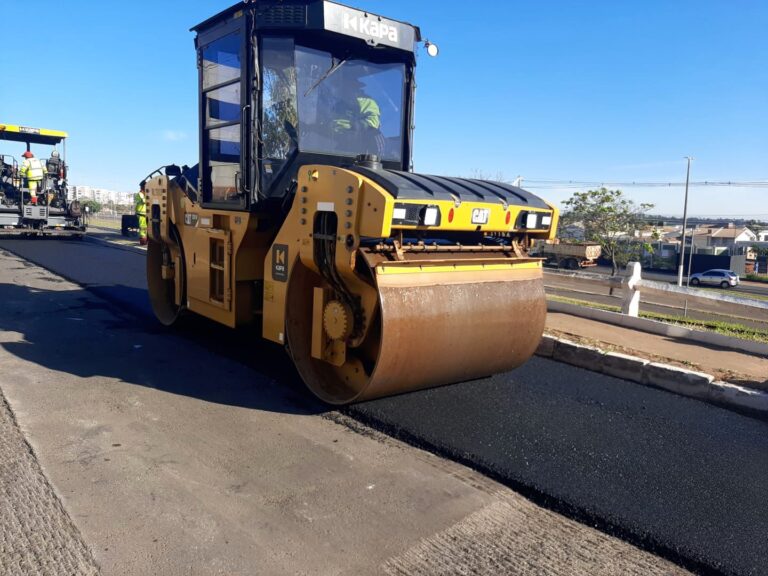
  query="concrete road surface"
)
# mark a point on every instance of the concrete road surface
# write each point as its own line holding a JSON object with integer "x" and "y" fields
{"x": 671, "y": 474}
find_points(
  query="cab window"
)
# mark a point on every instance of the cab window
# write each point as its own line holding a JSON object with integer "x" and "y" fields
{"x": 320, "y": 102}
{"x": 222, "y": 114}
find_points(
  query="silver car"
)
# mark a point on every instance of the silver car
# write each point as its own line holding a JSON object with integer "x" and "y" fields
{"x": 716, "y": 277}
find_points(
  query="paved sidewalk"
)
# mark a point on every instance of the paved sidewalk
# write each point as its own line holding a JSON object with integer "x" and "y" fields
{"x": 728, "y": 365}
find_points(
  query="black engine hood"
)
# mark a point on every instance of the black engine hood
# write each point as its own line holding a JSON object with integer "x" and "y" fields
{"x": 412, "y": 186}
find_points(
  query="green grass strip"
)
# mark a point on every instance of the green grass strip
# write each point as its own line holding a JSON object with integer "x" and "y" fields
{"x": 587, "y": 303}
{"x": 757, "y": 278}
{"x": 104, "y": 223}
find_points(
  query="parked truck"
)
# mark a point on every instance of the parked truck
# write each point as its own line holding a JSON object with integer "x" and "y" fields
{"x": 568, "y": 255}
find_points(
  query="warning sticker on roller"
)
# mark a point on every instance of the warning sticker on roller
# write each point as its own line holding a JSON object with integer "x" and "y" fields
{"x": 280, "y": 262}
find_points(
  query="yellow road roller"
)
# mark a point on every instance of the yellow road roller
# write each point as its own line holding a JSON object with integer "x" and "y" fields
{"x": 304, "y": 214}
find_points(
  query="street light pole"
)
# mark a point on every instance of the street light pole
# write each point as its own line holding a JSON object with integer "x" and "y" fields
{"x": 685, "y": 225}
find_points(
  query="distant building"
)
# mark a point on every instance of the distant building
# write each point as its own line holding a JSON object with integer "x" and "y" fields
{"x": 731, "y": 235}
{"x": 715, "y": 239}
{"x": 100, "y": 195}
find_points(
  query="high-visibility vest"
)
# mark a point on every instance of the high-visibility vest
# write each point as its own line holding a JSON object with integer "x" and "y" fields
{"x": 141, "y": 205}
{"x": 32, "y": 169}
{"x": 367, "y": 108}
{"x": 370, "y": 111}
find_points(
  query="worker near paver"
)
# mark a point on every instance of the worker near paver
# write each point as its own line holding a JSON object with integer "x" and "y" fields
{"x": 141, "y": 214}
{"x": 54, "y": 165}
{"x": 33, "y": 171}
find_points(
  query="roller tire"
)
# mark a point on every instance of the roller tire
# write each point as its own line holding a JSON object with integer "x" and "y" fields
{"x": 161, "y": 291}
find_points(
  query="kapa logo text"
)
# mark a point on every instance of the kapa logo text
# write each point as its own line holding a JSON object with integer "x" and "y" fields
{"x": 369, "y": 27}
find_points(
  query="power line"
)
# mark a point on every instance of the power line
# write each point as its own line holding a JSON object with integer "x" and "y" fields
{"x": 740, "y": 215}
{"x": 530, "y": 183}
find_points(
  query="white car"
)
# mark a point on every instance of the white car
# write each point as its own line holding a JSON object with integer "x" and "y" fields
{"x": 716, "y": 277}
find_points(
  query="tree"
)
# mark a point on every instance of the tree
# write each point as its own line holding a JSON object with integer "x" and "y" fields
{"x": 280, "y": 120}
{"x": 93, "y": 206}
{"x": 610, "y": 220}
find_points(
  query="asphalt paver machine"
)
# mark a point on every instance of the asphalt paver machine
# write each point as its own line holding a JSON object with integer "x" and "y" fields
{"x": 48, "y": 211}
{"x": 304, "y": 214}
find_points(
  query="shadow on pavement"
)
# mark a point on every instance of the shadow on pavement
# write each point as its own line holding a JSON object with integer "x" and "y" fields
{"x": 70, "y": 331}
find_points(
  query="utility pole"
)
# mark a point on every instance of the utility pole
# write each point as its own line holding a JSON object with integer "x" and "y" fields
{"x": 685, "y": 226}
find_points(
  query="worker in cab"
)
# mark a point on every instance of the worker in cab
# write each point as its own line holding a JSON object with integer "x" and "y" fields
{"x": 358, "y": 110}
{"x": 358, "y": 119}
{"x": 33, "y": 172}
{"x": 141, "y": 215}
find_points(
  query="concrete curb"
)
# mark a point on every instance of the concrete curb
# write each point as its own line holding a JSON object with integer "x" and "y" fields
{"x": 671, "y": 378}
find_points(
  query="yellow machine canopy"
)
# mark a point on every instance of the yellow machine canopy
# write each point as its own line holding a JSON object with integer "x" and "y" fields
{"x": 14, "y": 133}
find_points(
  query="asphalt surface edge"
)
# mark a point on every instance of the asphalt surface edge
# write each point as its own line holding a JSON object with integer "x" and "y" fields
{"x": 689, "y": 383}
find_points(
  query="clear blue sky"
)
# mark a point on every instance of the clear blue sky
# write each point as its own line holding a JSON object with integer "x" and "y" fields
{"x": 550, "y": 90}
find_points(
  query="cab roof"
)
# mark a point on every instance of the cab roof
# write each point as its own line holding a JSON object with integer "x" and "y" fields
{"x": 16, "y": 133}
{"x": 321, "y": 15}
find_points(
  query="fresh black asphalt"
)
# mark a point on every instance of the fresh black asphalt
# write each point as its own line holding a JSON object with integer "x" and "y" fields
{"x": 676, "y": 476}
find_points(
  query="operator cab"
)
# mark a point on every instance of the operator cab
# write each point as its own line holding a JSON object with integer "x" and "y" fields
{"x": 290, "y": 83}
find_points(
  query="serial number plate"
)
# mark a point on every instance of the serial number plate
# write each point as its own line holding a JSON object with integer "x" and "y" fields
{"x": 480, "y": 215}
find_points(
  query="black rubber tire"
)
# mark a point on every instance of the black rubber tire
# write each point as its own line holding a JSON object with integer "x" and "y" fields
{"x": 160, "y": 291}
{"x": 695, "y": 282}
{"x": 724, "y": 285}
